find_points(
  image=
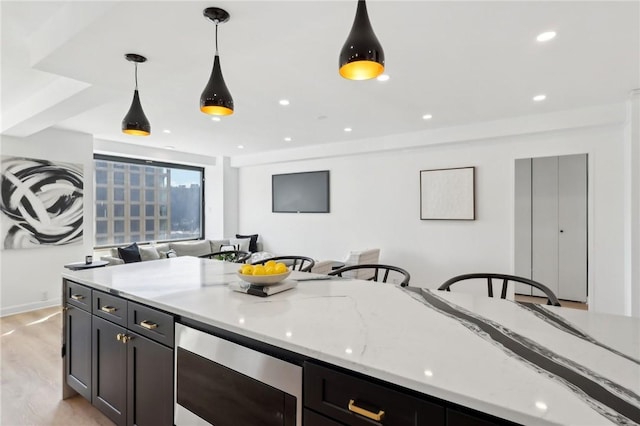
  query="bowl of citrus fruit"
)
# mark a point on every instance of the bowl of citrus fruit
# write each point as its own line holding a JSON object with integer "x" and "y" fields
{"x": 270, "y": 273}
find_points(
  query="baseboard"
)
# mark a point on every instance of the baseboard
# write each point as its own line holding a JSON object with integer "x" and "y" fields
{"x": 28, "y": 307}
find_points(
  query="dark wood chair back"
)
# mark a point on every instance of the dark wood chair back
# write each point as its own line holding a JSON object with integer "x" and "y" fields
{"x": 551, "y": 297}
{"x": 376, "y": 268}
{"x": 235, "y": 256}
{"x": 296, "y": 263}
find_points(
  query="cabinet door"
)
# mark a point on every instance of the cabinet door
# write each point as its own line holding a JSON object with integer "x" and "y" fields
{"x": 109, "y": 370}
{"x": 149, "y": 382}
{"x": 78, "y": 350}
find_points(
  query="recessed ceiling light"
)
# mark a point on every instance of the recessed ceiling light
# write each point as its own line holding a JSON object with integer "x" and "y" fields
{"x": 287, "y": 139}
{"x": 215, "y": 118}
{"x": 383, "y": 77}
{"x": 240, "y": 146}
{"x": 348, "y": 129}
{"x": 166, "y": 131}
{"x": 284, "y": 102}
{"x": 546, "y": 36}
{"x": 427, "y": 117}
{"x": 539, "y": 98}
{"x": 170, "y": 147}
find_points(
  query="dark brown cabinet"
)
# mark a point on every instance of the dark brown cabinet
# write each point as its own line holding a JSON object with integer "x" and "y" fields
{"x": 109, "y": 370}
{"x": 149, "y": 382}
{"x": 126, "y": 375}
{"x": 78, "y": 350}
{"x": 339, "y": 398}
{"x": 354, "y": 401}
{"x": 132, "y": 374}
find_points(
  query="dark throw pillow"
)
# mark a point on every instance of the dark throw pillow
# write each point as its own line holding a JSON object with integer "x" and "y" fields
{"x": 129, "y": 254}
{"x": 253, "y": 244}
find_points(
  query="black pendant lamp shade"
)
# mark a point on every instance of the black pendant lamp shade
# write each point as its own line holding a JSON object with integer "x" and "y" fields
{"x": 361, "y": 57}
{"x": 135, "y": 122}
{"x": 216, "y": 98}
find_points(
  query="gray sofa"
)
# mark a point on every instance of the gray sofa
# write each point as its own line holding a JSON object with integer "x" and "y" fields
{"x": 181, "y": 248}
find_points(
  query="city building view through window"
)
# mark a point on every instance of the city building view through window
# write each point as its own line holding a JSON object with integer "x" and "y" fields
{"x": 140, "y": 201}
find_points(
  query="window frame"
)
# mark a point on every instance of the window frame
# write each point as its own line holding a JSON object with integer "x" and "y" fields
{"x": 154, "y": 163}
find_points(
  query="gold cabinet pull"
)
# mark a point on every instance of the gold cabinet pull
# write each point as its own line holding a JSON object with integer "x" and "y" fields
{"x": 119, "y": 337}
{"x": 77, "y": 296}
{"x": 108, "y": 309}
{"x": 126, "y": 338}
{"x": 366, "y": 413}
{"x": 148, "y": 324}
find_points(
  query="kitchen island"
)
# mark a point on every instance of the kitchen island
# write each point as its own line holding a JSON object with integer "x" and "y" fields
{"x": 520, "y": 363}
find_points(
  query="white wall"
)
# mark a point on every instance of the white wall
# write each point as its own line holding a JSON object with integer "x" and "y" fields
{"x": 375, "y": 203}
{"x": 31, "y": 278}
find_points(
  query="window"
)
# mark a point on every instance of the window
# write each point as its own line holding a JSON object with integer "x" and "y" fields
{"x": 142, "y": 201}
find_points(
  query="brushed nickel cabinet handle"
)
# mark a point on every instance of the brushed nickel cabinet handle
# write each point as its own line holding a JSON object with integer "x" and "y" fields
{"x": 77, "y": 296}
{"x": 148, "y": 324}
{"x": 366, "y": 413}
{"x": 108, "y": 309}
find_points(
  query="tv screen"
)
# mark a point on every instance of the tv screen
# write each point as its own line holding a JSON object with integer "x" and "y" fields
{"x": 306, "y": 192}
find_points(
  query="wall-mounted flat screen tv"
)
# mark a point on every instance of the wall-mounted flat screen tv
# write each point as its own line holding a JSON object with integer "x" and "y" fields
{"x": 306, "y": 192}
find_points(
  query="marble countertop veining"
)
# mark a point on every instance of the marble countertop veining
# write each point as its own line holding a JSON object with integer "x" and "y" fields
{"x": 496, "y": 356}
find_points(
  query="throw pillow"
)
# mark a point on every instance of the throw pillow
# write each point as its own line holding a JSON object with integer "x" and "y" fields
{"x": 171, "y": 253}
{"x": 241, "y": 243}
{"x": 253, "y": 243}
{"x": 130, "y": 254}
{"x": 148, "y": 253}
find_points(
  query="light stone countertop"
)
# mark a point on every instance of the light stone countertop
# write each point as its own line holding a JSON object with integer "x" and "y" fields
{"x": 474, "y": 351}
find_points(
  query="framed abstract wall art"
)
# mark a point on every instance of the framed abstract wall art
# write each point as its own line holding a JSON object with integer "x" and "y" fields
{"x": 447, "y": 194}
{"x": 41, "y": 203}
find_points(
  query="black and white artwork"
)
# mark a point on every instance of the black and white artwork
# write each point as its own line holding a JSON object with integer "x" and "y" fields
{"x": 41, "y": 203}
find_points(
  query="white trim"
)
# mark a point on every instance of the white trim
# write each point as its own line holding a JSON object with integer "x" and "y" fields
{"x": 28, "y": 307}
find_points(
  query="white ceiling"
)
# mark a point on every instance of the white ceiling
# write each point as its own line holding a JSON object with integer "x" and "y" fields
{"x": 462, "y": 62}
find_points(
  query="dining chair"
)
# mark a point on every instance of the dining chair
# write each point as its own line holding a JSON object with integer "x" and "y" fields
{"x": 295, "y": 263}
{"x": 235, "y": 256}
{"x": 322, "y": 267}
{"x": 375, "y": 269}
{"x": 551, "y": 297}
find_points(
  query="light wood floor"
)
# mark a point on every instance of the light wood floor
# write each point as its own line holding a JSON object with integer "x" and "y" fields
{"x": 31, "y": 375}
{"x": 543, "y": 301}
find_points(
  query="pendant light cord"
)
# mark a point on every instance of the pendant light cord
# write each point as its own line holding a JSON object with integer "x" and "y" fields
{"x": 216, "y": 36}
{"x": 136, "y": 74}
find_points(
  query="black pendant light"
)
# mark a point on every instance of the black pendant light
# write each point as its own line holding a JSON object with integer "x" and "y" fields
{"x": 361, "y": 57}
{"x": 215, "y": 98}
{"x": 135, "y": 122}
